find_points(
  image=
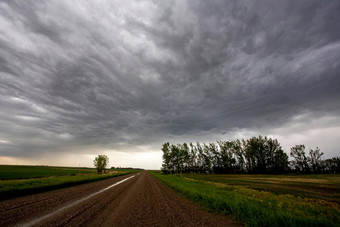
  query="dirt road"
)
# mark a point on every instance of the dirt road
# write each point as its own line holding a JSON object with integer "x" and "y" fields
{"x": 132, "y": 200}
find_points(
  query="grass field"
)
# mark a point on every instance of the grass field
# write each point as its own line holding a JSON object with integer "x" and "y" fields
{"x": 264, "y": 200}
{"x": 8, "y": 172}
{"x": 23, "y": 180}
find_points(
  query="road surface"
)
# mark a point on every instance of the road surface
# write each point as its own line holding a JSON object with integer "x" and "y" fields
{"x": 131, "y": 200}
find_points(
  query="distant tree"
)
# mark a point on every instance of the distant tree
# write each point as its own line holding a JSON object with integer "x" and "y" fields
{"x": 264, "y": 155}
{"x": 200, "y": 157}
{"x": 280, "y": 162}
{"x": 315, "y": 160}
{"x": 248, "y": 156}
{"x": 193, "y": 165}
{"x": 167, "y": 165}
{"x": 184, "y": 157}
{"x": 300, "y": 162}
{"x": 227, "y": 153}
{"x": 207, "y": 159}
{"x": 276, "y": 158}
{"x": 176, "y": 158}
{"x": 332, "y": 165}
{"x": 101, "y": 162}
{"x": 216, "y": 159}
{"x": 255, "y": 154}
{"x": 239, "y": 156}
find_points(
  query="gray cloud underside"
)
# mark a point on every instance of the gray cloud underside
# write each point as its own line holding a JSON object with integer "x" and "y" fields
{"x": 127, "y": 73}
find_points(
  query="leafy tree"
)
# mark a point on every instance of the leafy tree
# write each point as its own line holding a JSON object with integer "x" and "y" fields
{"x": 193, "y": 164}
{"x": 280, "y": 162}
{"x": 216, "y": 160}
{"x": 207, "y": 159}
{"x": 315, "y": 160}
{"x": 255, "y": 155}
{"x": 264, "y": 155}
{"x": 239, "y": 156}
{"x": 301, "y": 161}
{"x": 176, "y": 158}
{"x": 332, "y": 165}
{"x": 184, "y": 157}
{"x": 200, "y": 157}
{"x": 276, "y": 158}
{"x": 101, "y": 162}
{"x": 167, "y": 165}
{"x": 227, "y": 150}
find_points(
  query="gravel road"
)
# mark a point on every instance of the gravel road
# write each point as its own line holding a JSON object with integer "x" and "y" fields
{"x": 138, "y": 201}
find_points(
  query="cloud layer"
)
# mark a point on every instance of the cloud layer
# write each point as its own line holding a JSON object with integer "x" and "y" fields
{"x": 128, "y": 74}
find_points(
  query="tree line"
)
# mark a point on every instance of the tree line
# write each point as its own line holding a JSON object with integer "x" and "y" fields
{"x": 254, "y": 155}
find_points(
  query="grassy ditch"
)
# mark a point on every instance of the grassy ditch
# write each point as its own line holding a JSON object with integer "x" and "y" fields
{"x": 19, "y": 187}
{"x": 258, "y": 205}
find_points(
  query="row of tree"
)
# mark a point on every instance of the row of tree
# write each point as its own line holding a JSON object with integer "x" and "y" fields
{"x": 254, "y": 155}
{"x": 312, "y": 163}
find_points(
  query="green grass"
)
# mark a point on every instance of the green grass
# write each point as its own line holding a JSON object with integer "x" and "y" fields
{"x": 256, "y": 201}
{"x": 8, "y": 172}
{"x": 317, "y": 186}
{"x": 20, "y": 182}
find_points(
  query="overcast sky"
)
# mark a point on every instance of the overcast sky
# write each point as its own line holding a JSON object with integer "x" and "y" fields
{"x": 82, "y": 78}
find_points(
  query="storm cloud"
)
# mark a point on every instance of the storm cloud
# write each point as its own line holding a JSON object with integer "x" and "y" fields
{"x": 127, "y": 74}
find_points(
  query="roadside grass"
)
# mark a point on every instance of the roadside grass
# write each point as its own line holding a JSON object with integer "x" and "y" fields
{"x": 241, "y": 197}
{"x": 18, "y": 187}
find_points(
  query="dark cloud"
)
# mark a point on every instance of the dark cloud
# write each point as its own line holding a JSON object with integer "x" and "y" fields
{"x": 126, "y": 74}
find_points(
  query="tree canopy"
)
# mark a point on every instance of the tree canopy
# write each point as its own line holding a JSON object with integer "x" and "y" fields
{"x": 101, "y": 162}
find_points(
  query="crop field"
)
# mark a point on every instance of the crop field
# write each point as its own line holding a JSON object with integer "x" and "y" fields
{"x": 264, "y": 200}
{"x": 8, "y": 172}
{"x": 23, "y": 180}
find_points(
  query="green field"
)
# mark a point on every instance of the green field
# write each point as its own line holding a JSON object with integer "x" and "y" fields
{"x": 23, "y": 180}
{"x": 264, "y": 200}
{"x": 8, "y": 172}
